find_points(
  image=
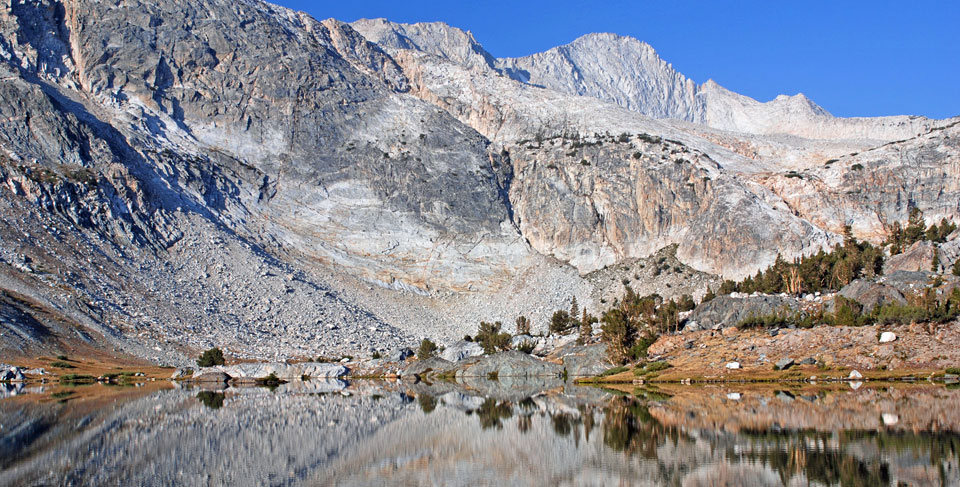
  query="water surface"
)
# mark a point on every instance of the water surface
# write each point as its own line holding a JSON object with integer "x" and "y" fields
{"x": 483, "y": 433}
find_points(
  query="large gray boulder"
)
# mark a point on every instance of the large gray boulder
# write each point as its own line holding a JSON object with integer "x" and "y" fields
{"x": 871, "y": 294}
{"x": 508, "y": 364}
{"x": 430, "y": 366}
{"x": 461, "y": 350}
{"x": 288, "y": 372}
{"x": 211, "y": 376}
{"x": 727, "y": 311}
{"x": 584, "y": 360}
{"x": 917, "y": 257}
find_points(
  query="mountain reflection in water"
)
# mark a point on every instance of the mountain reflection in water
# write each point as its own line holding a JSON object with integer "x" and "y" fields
{"x": 365, "y": 433}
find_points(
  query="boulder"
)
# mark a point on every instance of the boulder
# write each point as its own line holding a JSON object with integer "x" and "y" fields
{"x": 461, "y": 350}
{"x": 288, "y": 372}
{"x": 733, "y": 365}
{"x": 727, "y": 311}
{"x": 400, "y": 355}
{"x": 917, "y": 257}
{"x": 870, "y": 294}
{"x": 907, "y": 281}
{"x": 808, "y": 361}
{"x": 783, "y": 364}
{"x": 584, "y": 360}
{"x": 508, "y": 364}
{"x": 887, "y": 337}
{"x": 13, "y": 374}
{"x": 855, "y": 375}
{"x": 422, "y": 368}
{"x": 215, "y": 377}
{"x": 182, "y": 373}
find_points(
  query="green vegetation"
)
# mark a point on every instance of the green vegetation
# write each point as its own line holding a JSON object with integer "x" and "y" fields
{"x": 920, "y": 308}
{"x": 956, "y": 268}
{"x": 427, "y": 349}
{"x": 62, "y": 365}
{"x": 62, "y": 357}
{"x": 613, "y": 371}
{"x": 491, "y": 338}
{"x": 650, "y": 368}
{"x": 953, "y": 370}
{"x": 823, "y": 271}
{"x": 523, "y": 325}
{"x": 376, "y": 355}
{"x": 77, "y": 379}
{"x": 210, "y": 358}
{"x": 916, "y": 230}
{"x": 526, "y": 347}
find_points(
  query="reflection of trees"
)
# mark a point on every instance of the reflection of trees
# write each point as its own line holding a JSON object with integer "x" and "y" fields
{"x": 524, "y": 423}
{"x": 628, "y": 427}
{"x": 802, "y": 452}
{"x": 491, "y": 413}
{"x": 427, "y": 403}
{"x": 210, "y": 399}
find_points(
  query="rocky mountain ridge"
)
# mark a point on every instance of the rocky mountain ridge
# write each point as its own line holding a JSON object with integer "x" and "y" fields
{"x": 178, "y": 175}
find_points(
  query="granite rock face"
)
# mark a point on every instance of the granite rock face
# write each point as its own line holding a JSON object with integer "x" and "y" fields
{"x": 727, "y": 311}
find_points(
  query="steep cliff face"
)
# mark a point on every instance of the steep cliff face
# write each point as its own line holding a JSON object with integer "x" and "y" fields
{"x": 871, "y": 189}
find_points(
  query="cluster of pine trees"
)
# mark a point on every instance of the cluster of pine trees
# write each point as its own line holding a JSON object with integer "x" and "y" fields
{"x": 823, "y": 271}
{"x": 634, "y": 323}
{"x": 916, "y": 230}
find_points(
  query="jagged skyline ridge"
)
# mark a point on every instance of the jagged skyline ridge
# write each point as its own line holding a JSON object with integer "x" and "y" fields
{"x": 831, "y": 54}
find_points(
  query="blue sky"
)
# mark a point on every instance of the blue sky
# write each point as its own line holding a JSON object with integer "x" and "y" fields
{"x": 853, "y": 58}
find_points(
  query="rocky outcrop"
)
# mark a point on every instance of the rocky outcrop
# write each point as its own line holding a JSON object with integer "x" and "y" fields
{"x": 507, "y": 364}
{"x": 870, "y": 294}
{"x": 729, "y": 310}
{"x": 288, "y": 372}
{"x": 461, "y": 350}
{"x": 917, "y": 257}
{"x": 583, "y": 360}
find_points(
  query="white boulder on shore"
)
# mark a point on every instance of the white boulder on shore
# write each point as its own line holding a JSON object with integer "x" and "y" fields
{"x": 887, "y": 337}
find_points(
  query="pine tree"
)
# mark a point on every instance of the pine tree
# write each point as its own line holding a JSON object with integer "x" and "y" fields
{"x": 574, "y": 308}
{"x": 523, "y": 325}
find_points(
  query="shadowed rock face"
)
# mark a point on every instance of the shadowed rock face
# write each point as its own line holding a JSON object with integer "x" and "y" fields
{"x": 312, "y": 112}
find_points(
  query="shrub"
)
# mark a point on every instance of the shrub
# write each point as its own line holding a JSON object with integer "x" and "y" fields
{"x": 523, "y": 325}
{"x": 651, "y": 368}
{"x": 211, "y": 357}
{"x": 376, "y": 355}
{"x": 62, "y": 357}
{"x": 953, "y": 370}
{"x": 77, "y": 378}
{"x": 62, "y": 365}
{"x": 491, "y": 338}
{"x": 427, "y": 349}
{"x": 526, "y": 347}
{"x": 956, "y": 268}
{"x": 857, "y": 167}
{"x": 613, "y": 371}
{"x": 561, "y": 322}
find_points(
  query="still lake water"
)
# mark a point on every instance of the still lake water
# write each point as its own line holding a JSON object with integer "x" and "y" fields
{"x": 483, "y": 433}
